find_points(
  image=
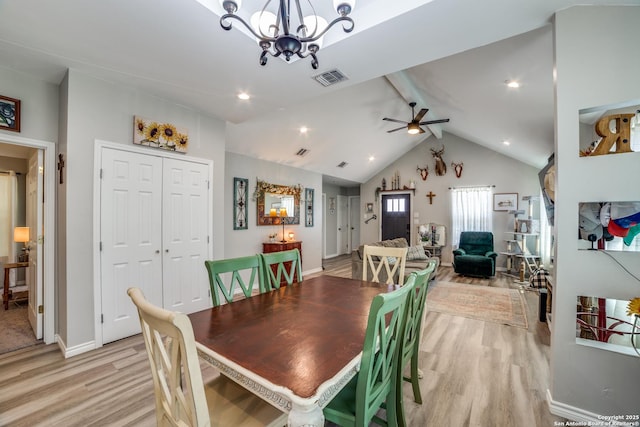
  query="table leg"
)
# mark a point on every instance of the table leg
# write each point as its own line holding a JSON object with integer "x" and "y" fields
{"x": 305, "y": 416}
{"x": 5, "y": 294}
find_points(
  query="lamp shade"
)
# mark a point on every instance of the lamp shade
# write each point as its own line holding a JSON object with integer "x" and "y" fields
{"x": 272, "y": 212}
{"x": 21, "y": 234}
{"x": 283, "y": 212}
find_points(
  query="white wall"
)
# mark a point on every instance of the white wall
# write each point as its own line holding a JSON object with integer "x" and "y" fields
{"x": 481, "y": 167}
{"x": 101, "y": 110}
{"x": 248, "y": 242}
{"x": 597, "y": 63}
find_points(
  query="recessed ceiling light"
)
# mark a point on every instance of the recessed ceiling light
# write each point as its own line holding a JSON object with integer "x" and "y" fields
{"x": 371, "y": 158}
{"x": 512, "y": 84}
{"x": 505, "y": 142}
{"x": 243, "y": 96}
{"x": 303, "y": 129}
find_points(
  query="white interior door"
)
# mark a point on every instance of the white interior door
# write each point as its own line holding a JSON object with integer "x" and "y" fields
{"x": 343, "y": 225}
{"x": 35, "y": 218}
{"x": 354, "y": 222}
{"x": 185, "y": 234}
{"x": 130, "y": 236}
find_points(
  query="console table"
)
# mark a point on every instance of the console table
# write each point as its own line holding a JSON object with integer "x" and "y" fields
{"x": 269, "y": 247}
{"x": 6, "y": 294}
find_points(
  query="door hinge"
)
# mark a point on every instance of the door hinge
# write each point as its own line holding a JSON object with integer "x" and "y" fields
{"x": 208, "y": 185}
{"x": 40, "y": 309}
{"x": 102, "y": 318}
{"x": 101, "y": 172}
{"x": 100, "y": 246}
{"x": 207, "y": 239}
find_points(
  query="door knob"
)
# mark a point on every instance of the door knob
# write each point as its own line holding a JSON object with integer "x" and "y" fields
{"x": 157, "y": 251}
{"x": 166, "y": 250}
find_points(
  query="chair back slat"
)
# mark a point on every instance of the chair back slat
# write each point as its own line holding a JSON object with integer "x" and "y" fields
{"x": 377, "y": 259}
{"x": 226, "y": 276}
{"x": 415, "y": 312}
{"x": 377, "y": 378}
{"x": 175, "y": 368}
{"x": 281, "y": 266}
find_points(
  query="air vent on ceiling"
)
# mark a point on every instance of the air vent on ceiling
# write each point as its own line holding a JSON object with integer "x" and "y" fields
{"x": 330, "y": 78}
{"x": 342, "y": 164}
{"x": 301, "y": 152}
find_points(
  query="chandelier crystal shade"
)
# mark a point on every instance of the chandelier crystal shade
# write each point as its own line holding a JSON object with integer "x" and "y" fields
{"x": 290, "y": 32}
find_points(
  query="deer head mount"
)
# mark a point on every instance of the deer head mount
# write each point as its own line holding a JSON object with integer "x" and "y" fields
{"x": 441, "y": 167}
{"x": 424, "y": 172}
{"x": 457, "y": 167}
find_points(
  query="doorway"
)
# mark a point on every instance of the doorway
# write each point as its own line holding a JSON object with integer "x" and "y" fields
{"x": 396, "y": 216}
{"x": 37, "y": 194}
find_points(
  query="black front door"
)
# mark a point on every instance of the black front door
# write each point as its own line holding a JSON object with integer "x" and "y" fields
{"x": 396, "y": 219}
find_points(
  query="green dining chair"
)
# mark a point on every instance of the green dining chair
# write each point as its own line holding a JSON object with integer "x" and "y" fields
{"x": 225, "y": 276}
{"x": 412, "y": 332}
{"x": 376, "y": 382}
{"x": 281, "y": 267}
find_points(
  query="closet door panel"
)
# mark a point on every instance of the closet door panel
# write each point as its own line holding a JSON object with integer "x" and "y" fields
{"x": 130, "y": 233}
{"x": 185, "y": 233}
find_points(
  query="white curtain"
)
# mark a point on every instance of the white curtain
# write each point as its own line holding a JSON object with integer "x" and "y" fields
{"x": 8, "y": 213}
{"x": 470, "y": 210}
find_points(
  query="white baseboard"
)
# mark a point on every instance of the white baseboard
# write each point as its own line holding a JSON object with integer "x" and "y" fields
{"x": 572, "y": 413}
{"x": 315, "y": 270}
{"x": 332, "y": 256}
{"x": 75, "y": 350}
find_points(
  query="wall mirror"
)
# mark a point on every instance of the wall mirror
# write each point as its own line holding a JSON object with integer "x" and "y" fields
{"x": 604, "y": 323}
{"x": 432, "y": 234}
{"x": 273, "y": 201}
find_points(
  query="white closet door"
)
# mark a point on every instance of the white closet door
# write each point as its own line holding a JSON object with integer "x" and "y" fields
{"x": 34, "y": 214}
{"x": 131, "y": 233}
{"x": 185, "y": 231}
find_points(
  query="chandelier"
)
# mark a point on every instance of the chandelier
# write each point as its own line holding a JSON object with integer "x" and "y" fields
{"x": 275, "y": 33}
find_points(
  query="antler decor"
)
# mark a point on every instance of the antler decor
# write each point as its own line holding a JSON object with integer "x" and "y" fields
{"x": 441, "y": 167}
{"x": 424, "y": 172}
{"x": 457, "y": 167}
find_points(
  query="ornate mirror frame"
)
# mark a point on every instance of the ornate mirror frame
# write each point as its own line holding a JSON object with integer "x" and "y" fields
{"x": 263, "y": 187}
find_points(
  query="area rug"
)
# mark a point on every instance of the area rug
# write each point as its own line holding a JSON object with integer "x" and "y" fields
{"x": 16, "y": 331}
{"x": 498, "y": 305}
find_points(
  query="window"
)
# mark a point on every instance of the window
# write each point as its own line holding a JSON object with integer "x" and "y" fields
{"x": 396, "y": 205}
{"x": 471, "y": 210}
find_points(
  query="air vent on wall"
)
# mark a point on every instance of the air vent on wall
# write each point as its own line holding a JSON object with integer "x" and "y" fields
{"x": 330, "y": 78}
{"x": 301, "y": 152}
{"x": 342, "y": 164}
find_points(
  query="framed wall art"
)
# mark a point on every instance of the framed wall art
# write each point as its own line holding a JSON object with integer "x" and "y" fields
{"x": 308, "y": 203}
{"x": 505, "y": 202}
{"x": 160, "y": 135}
{"x": 240, "y": 193}
{"x": 9, "y": 114}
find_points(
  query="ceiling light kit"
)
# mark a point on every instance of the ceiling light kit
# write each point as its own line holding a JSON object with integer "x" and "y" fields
{"x": 513, "y": 84}
{"x": 413, "y": 127}
{"x": 274, "y": 31}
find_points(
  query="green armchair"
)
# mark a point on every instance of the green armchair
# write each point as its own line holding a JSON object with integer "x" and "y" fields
{"x": 475, "y": 255}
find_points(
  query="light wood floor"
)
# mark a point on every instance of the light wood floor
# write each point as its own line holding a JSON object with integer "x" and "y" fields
{"x": 475, "y": 374}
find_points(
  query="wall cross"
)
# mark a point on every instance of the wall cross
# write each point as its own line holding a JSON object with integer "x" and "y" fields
{"x": 430, "y": 195}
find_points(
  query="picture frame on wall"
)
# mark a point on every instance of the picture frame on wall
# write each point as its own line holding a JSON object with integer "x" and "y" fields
{"x": 308, "y": 200}
{"x": 240, "y": 194}
{"x": 504, "y": 202}
{"x": 9, "y": 114}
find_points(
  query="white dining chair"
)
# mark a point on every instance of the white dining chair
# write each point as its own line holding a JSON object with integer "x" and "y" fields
{"x": 386, "y": 264}
{"x": 182, "y": 398}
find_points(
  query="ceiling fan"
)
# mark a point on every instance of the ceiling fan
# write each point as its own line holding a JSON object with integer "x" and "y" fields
{"x": 413, "y": 127}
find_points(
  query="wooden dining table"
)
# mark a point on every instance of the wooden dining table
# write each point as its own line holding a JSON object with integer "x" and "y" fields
{"x": 296, "y": 347}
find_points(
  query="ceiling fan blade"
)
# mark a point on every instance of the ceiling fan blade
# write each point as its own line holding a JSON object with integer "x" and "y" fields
{"x": 420, "y": 114}
{"x": 394, "y": 120}
{"x": 430, "y": 122}
{"x": 393, "y": 130}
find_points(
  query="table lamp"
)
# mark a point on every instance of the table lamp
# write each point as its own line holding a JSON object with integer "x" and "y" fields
{"x": 21, "y": 235}
{"x": 283, "y": 216}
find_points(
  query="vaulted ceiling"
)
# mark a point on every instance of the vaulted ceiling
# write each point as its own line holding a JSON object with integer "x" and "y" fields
{"x": 451, "y": 56}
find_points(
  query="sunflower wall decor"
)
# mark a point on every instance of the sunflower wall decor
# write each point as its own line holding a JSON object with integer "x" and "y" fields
{"x": 155, "y": 134}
